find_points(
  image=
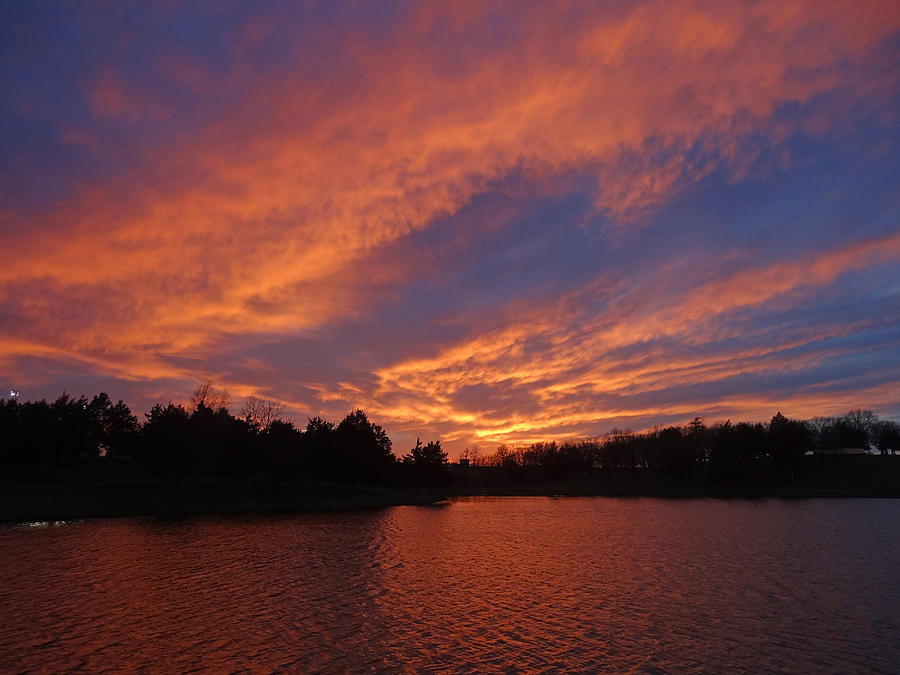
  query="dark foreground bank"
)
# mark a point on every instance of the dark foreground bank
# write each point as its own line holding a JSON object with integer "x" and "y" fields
{"x": 576, "y": 488}
{"x": 833, "y": 476}
{"x": 69, "y": 501}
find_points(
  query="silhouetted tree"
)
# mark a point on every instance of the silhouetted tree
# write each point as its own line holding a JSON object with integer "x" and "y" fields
{"x": 281, "y": 446}
{"x": 74, "y": 430}
{"x": 887, "y": 436}
{"x": 676, "y": 452}
{"x": 697, "y": 436}
{"x": 860, "y": 423}
{"x": 318, "y": 454}
{"x": 46, "y": 439}
{"x": 619, "y": 450}
{"x": 472, "y": 454}
{"x": 38, "y": 434}
{"x": 574, "y": 458}
{"x": 262, "y": 412}
{"x": 736, "y": 449}
{"x": 166, "y": 438}
{"x": 221, "y": 444}
{"x": 788, "y": 442}
{"x": 116, "y": 429}
{"x": 427, "y": 464}
{"x": 11, "y": 436}
{"x": 364, "y": 447}
{"x": 820, "y": 429}
{"x": 318, "y": 428}
{"x": 723, "y": 458}
{"x": 210, "y": 396}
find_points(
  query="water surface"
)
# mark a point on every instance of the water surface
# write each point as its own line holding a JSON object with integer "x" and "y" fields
{"x": 575, "y": 584}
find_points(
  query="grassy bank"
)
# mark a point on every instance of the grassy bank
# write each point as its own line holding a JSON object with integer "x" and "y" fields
{"x": 69, "y": 501}
{"x": 105, "y": 490}
{"x": 852, "y": 476}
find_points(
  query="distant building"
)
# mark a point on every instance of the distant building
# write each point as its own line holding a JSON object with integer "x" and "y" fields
{"x": 842, "y": 451}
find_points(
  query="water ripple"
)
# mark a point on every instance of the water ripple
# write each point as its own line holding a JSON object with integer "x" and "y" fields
{"x": 543, "y": 585}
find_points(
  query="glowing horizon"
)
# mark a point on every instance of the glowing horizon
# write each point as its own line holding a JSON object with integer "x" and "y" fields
{"x": 479, "y": 224}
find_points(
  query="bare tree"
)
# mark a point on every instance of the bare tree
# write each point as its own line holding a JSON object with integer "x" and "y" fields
{"x": 470, "y": 454}
{"x": 887, "y": 436}
{"x": 861, "y": 421}
{"x": 821, "y": 426}
{"x": 262, "y": 411}
{"x": 210, "y": 396}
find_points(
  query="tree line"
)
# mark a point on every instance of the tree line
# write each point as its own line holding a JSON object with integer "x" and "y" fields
{"x": 203, "y": 439}
{"x": 723, "y": 451}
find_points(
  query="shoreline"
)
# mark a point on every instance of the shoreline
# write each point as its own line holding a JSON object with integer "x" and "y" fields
{"x": 120, "y": 499}
{"x": 703, "y": 492}
{"x": 152, "y": 497}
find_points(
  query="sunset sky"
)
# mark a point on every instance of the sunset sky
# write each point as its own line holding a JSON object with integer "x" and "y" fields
{"x": 482, "y": 222}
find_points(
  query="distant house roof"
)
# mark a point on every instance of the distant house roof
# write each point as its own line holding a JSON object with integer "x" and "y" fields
{"x": 842, "y": 451}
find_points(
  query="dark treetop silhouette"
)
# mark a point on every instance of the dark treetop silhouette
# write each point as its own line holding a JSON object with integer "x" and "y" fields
{"x": 95, "y": 439}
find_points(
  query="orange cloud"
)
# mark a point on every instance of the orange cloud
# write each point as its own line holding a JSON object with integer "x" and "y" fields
{"x": 583, "y": 359}
{"x": 266, "y": 216}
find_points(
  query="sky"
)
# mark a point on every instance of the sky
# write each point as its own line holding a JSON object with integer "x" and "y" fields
{"x": 481, "y": 222}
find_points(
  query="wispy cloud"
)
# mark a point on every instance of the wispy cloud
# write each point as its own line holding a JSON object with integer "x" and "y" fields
{"x": 267, "y": 175}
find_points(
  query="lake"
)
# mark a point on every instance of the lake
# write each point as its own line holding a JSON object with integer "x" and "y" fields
{"x": 473, "y": 585}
